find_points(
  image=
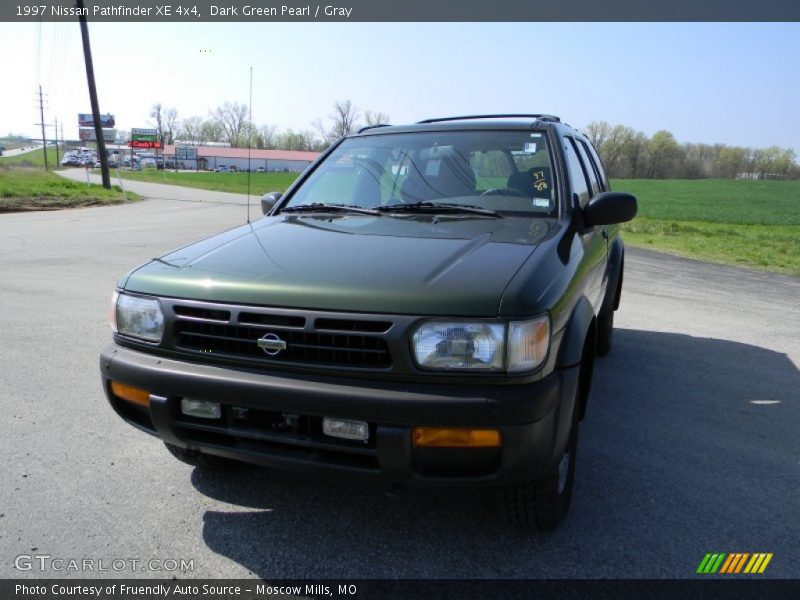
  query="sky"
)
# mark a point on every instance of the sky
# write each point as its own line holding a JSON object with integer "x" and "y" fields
{"x": 731, "y": 83}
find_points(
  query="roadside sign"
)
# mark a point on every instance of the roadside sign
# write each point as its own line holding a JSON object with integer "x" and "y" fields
{"x": 86, "y": 120}
{"x": 143, "y": 144}
{"x": 144, "y": 135}
{"x": 87, "y": 134}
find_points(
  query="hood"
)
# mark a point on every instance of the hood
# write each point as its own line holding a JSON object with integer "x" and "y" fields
{"x": 415, "y": 264}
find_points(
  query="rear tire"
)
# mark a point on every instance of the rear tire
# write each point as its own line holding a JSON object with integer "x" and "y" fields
{"x": 196, "y": 458}
{"x": 605, "y": 332}
{"x": 541, "y": 504}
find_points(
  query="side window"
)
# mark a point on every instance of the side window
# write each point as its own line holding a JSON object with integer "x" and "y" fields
{"x": 577, "y": 177}
{"x": 596, "y": 166}
{"x": 601, "y": 170}
{"x": 591, "y": 173}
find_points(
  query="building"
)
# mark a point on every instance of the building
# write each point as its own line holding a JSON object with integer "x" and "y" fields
{"x": 208, "y": 158}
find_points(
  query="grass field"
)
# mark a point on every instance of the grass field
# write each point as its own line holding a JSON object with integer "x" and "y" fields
{"x": 34, "y": 159}
{"x": 35, "y": 189}
{"x": 260, "y": 183}
{"x": 747, "y": 223}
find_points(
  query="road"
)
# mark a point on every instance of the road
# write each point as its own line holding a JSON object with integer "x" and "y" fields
{"x": 18, "y": 151}
{"x": 679, "y": 455}
{"x": 159, "y": 191}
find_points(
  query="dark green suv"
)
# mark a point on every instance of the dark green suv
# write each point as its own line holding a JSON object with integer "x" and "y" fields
{"x": 423, "y": 304}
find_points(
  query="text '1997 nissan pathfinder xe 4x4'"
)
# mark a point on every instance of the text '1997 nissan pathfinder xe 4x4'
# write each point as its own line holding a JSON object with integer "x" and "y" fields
{"x": 423, "y": 304}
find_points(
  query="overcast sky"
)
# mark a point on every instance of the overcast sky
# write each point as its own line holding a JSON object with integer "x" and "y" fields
{"x": 716, "y": 82}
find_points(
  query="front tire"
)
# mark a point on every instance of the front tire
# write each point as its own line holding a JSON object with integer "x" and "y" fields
{"x": 605, "y": 332}
{"x": 197, "y": 459}
{"x": 541, "y": 504}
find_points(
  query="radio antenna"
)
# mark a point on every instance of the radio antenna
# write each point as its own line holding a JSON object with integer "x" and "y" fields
{"x": 249, "y": 143}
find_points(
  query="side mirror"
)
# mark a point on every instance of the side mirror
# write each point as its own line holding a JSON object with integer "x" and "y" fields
{"x": 269, "y": 200}
{"x": 608, "y": 208}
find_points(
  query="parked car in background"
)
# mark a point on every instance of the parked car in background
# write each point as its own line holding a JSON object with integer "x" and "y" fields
{"x": 221, "y": 169}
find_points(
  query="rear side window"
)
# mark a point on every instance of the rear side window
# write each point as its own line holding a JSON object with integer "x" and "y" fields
{"x": 600, "y": 171}
{"x": 591, "y": 155}
{"x": 591, "y": 173}
{"x": 577, "y": 177}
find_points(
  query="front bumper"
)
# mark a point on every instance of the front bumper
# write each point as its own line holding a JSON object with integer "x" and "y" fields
{"x": 533, "y": 418}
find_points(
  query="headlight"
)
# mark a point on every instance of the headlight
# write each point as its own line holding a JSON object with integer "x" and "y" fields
{"x": 460, "y": 345}
{"x": 528, "y": 343}
{"x": 481, "y": 345}
{"x": 139, "y": 317}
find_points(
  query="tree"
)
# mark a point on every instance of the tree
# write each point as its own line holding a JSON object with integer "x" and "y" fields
{"x": 730, "y": 162}
{"x": 212, "y": 131}
{"x": 192, "y": 130}
{"x": 597, "y": 132}
{"x": 231, "y": 118}
{"x": 165, "y": 122}
{"x": 662, "y": 151}
{"x": 267, "y": 137}
{"x": 170, "y": 125}
{"x": 376, "y": 118}
{"x": 343, "y": 121}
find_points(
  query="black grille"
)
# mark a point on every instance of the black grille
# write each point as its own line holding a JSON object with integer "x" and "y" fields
{"x": 202, "y": 313}
{"x": 307, "y": 347}
{"x": 353, "y": 325}
{"x": 246, "y": 318}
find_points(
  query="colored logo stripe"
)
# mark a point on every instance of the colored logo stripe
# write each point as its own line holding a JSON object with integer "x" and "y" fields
{"x": 711, "y": 562}
{"x": 733, "y": 562}
{"x": 758, "y": 563}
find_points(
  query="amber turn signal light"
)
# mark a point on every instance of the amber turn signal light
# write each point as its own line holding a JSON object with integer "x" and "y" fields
{"x": 445, "y": 437}
{"x": 130, "y": 393}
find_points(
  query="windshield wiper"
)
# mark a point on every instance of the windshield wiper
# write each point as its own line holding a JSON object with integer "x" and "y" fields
{"x": 439, "y": 207}
{"x": 324, "y": 207}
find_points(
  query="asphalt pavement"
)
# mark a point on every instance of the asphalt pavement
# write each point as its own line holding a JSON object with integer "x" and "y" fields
{"x": 161, "y": 191}
{"x": 690, "y": 444}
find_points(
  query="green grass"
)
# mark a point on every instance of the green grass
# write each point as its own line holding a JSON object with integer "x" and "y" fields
{"x": 260, "y": 183}
{"x": 32, "y": 189}
{"x": 740, "y": 202}
{"x": 33, "y": 159}
{"x": 746, "y": 223}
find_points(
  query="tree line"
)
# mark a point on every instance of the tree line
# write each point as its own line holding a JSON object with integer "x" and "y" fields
{"x": 627, "y": 153}
{"x": 229, "y": 124}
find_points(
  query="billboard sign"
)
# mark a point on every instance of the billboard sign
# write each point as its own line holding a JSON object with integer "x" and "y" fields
{"x": 87, "y": 120}
{"x": 87, "y": 134}
{"x": 144, "y": 135}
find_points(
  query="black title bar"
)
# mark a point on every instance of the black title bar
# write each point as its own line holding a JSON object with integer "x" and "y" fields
{"x": 264, "y": 11}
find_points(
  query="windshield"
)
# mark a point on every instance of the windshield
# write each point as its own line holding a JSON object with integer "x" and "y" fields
{"x": 504, "y": 171}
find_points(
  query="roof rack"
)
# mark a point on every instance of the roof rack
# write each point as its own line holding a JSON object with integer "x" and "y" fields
{"x": 363, "y": 129}
{"x": 509, "y": 116}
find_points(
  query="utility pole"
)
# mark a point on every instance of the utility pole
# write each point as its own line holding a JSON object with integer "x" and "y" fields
{"x": 58, "y": 159}
{"x": 98, "y": 128}
{"x": 41, "y": 121}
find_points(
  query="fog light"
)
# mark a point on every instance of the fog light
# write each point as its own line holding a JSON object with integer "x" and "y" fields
{"x": 202, "y": 409}
{"x": 445, "y": 437}
{"x": 348, "y": 430}
{"x": 130, "y": 393}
